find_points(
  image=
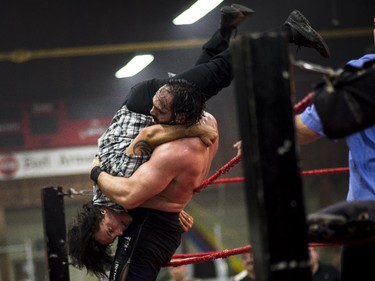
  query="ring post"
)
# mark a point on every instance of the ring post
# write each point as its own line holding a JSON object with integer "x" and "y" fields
{"x": 55, "y": 233}
{"x": 273, "y": 186}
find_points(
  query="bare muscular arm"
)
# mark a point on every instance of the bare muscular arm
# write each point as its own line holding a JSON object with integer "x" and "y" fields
{"x": 148, "y": 180}
{"x": 155, "y": 135}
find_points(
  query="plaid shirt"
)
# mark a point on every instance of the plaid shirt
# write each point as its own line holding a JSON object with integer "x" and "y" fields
{"x": 124, "y": 127}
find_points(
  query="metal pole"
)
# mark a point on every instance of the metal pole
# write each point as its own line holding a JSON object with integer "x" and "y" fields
{"x": 272, "y": 178}
{"x": 55, "y": 233}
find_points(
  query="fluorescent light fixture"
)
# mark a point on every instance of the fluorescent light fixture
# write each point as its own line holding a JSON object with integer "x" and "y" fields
{"x": 134, "y": 66}
{"x": 197, "y": 11}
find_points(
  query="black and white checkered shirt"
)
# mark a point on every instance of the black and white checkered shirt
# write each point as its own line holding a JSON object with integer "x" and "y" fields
{"x": 112, "y": 145}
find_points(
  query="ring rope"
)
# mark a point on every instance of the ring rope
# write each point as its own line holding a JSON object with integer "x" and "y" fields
{"x": 209, "y": 256}
{"x": 325, "y": 171}
{"x": 227, "y": 167}
{"x": 305, "y": 102}
{"x": 303, "y": 173}
{"x": 183, "y": 259}
{"x": 235, "y": 160}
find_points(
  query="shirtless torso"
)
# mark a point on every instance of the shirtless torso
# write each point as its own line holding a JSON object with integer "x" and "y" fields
{"x": 186, "y": 164}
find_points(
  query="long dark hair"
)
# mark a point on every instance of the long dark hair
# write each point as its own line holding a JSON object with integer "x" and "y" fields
{"x": 83, "y": 249}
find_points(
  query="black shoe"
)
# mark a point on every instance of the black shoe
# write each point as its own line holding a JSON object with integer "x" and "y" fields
{"x": 304, "y": 35}
{"x": 232, "y": 16}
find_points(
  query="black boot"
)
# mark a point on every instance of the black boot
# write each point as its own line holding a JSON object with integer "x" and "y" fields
{"x": 304, "y": 35}
{"x": 231, "y": 17}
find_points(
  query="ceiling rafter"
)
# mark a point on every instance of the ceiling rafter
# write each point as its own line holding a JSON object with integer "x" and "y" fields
{"x": 24, "y": 55}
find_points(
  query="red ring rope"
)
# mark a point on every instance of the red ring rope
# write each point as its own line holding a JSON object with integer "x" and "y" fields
{"x": 182, "y": 259}
{"x": 305, "y": 102}
{"x": 303, "y": 173}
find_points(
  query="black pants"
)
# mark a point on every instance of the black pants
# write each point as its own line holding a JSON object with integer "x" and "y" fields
{"x": 211, "y": 73}
{"x": 149, "y": 242}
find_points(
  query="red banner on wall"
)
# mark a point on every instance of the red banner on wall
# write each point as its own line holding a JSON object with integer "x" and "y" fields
{"x": 40, "y": 125}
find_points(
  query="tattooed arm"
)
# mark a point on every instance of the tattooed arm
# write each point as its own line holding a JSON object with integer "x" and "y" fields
{"x": 152, "y": 136}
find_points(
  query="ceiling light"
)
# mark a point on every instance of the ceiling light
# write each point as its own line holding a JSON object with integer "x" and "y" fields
{"x": 197, "y": 11}
{"x": 134, "y": 66}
